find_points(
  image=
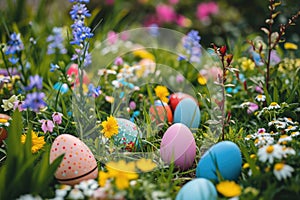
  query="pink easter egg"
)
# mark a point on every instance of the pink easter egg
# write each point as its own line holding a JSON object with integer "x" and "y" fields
{"x": 178, "y": 145}
{"x": 78, "y": 163}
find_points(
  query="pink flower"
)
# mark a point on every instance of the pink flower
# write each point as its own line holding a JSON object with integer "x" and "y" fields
{"x": 112, "y": 37}
{"x": 57, "y": 117}
{"x": 183, "y": 21}
{"x": 165, "y": 13}
{"x": 259, "y": 90}
{"x": 179, "y": 78}
{"x": 18, "y": 105}
{"x": 118, "y": 61}
{"x": 206, "y": 9}
{"x": 252, "y": 107}
{"x": 173, "y": 2}
{"x": 47, "y": 125}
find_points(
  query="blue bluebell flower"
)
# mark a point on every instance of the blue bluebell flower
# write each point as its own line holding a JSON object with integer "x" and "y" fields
{"x": 15, "y": 44}
{"x": 34, "y": 101}
{"x": 56, "y": 42}
{"x": 79, "y": 12}
{"x": 79, "y": 1}
{"x": 79, "y": 55}
{"x": 53, "y": 67}
{"x": 191, "y": 43}
{"x": 13, "y": 60}
{"x": 94, "y": 91}
{"x": 35, "y": 81}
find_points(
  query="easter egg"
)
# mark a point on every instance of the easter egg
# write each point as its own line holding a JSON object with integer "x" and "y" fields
{"x": 161, "y": 112}
{"x": 187, "y": 112}
{"x": 198, "y": 189}
{"x": 177, "y": 97}
{"x": 128, "y": 132}
{"x": 78, "y": 163}
{"x": 4, "y": 122}
{"x": 225, "y": 157}
{"x": 178, "y": 146}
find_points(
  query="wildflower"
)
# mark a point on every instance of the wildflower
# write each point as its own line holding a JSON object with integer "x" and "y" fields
{"x": 75, "y": 194}
{"x": 165, "y": 13}
{"x": 29, "y": 197}
{"x": 122, "y": 172}
{"x": 110, "y": 127}
{"x": 47, "y": 125}
{"x": 288, "y": 151}
{"x": 204, "y": 10}
{"x": 118, "y": 61}
{"x": 162, "y": 93}
{"x": 248, "y": 64}
{"x": 284, "y": 139}
{"x": 87, "y": 186}
{"x": 102, "y": 178}
{"x": 282, "y": 171}
{"x": 57, "y": 117}
{"x": 36, "y": 141}
{"x": 8, "y": 104}
{"x": 290, "y": 46}
{"x": 132, "y": 105}
{"x": 56, "y": 42}
{"x": 191, "y": 43}
{"x": 264, "y": 140}
{"x": 291, "y": 128}
{"x": 94, "y": 92}
{"x": 260, "y": 98}
{"x": 201, "y": 80}
{"x": 34, "y": 101}
{"x": 62, "y": 191}
{"x": 18, "y": 105}
{"x": 269, "y": 152}
{"x": 294, "y": 134}
{"x": 229, "y": 188}
{"x": 246, "y": 165}
{"x": 289, "y": 120}
{"x": 143, "y": 54}
{"x": 252, "y": 107}
{"x": 274, "y": 58}
{"x": 109, "y": 99}
{"x": 273, "y": 105}
{"x": 53, "y": 67}
{"x": 79, "y": 12}
{"x": 35, "y": 81}
{"x": 145, "y": 165}
{"x": 257, "y": 58}
{"x": 14, "y": 46}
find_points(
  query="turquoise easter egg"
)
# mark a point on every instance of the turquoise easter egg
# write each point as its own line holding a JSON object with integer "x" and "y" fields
{"x": 225, "y": 157}
{"x": 198, "y": 189}
{"x": 128, "y": 132}
{"x": 187, "y": 112}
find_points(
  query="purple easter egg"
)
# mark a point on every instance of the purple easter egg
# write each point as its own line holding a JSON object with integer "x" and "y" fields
{"x": 178, "y": 146}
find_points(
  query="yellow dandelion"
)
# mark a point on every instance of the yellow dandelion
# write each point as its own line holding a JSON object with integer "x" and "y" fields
{"x": 162, "y": 93}
{"x": 201, "y": 79}
{"x": 102, "y": 178}
{"x": 143, "y": 54}
{"x": 145, "y": 165}
{"x": 290, "y": 46}
{"x": 110, "y": 127}
{"x": 37, "y": 142}
{"x": 229, "y": 188}
{"x": 122, "y": 173}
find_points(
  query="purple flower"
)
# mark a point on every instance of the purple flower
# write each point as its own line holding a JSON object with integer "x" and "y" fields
{"x": 80, "y": 32}
{"x": 18, "y": 105}
{"x": 34, "y": 101}
{"x": 56, "y": 42}
{"x": 132, "y": 105}
{"x": 79, "y": 1}
{"x": 35, "y": 81}
{"x": 79, "y": 12}
{"x": 179, "y": 78}
{"x": 47, "y": 125}
{"x": 15, "y": 44}
{"x": 118, "y": 61}
{"x": 191, "y": 43}
{"x": 274, "y": 58}
{"x": 79, "y": 54}
{"x": 252, "y": 107}
{"x": 95, "y": 92}
{"x": 57, "y": 117}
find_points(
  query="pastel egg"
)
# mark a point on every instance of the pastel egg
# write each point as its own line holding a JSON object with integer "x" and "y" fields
{"x": 178, "y": 146}
{"x": 78, "y": 163}
{"x": 225, "y": 157}
{"x": 128, "y": 132}
{"x": 161, "y": 112}
{"x": 187, "y": 112}
{"x": 175, "y": 98}
{"x": 199, "y": 188}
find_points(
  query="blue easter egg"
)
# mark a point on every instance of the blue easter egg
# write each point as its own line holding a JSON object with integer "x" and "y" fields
{"x": 187, "y": 112}
{"x": 127, "y": 132}
{"x": 198, "y": 189}
{"x": 225, "y": 157}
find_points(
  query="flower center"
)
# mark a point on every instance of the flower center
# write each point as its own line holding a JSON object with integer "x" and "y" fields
{"x": 273, "y": 104}
{"x": 3, "y": 121}
{"x": 279, "y": 166}
{"x": 270, "y": 149}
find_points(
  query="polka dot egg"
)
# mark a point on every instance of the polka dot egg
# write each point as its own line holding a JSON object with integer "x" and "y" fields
{"x": 127, "y": 132}
{"x": 78, "y": 163}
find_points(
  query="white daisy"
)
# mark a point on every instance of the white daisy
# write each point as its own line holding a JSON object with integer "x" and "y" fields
{"x": 260, "y": 97}
{"x": 294, "y": 134}
{"x": 288, "y": 151}
{"x": 269, "y": 152}
{"x": 76, "y": 194}
{"x": 289, "y": 120}
{"x": 263, "y": 140}
{"x": 291, "y": 128}
{"x": 273, "y": 105}
{"x": 280, "y": 125}
{"x": 29, "y": 197}
{"x": 62, "y": 191}
{"x": 282, "y": 171}
{"x": 88, "y": 186}
{"x": 284, "y": 139}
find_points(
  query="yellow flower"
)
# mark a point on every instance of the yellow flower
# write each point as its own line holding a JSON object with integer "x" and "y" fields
{"x": 145, "y": 165}
{"x": 143, "y": 54}
{"x": 290, "y": 46}
{"x": 201, "y": 80}
{"x": 110, "y": 127}
{"x": 122, "y": 172}
{"x": 248, "y": 65}
{"x": 37, "y": 142}
{"x": 229, "y": 188}
{"x": 162, "y": 93}
{"x": 246, "y": 165}
{"x": 102, "y": 177}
